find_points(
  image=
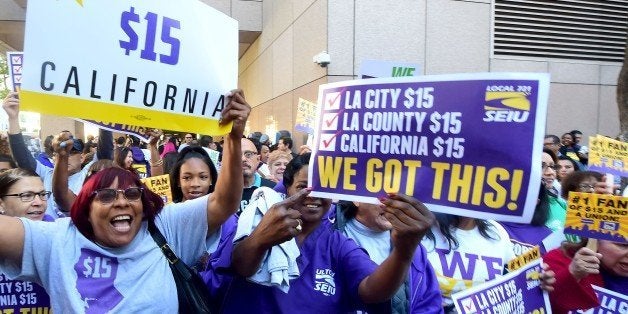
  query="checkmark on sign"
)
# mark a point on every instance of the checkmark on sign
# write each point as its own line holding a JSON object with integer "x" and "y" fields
{"x": 17, "y": 69}
{"x": 16, "y": 59}
{"x": 330, "y": 121}
{"x": 332, "y": 101}
{"x": 468, "y": 306}
{"x": 328, "y": 142}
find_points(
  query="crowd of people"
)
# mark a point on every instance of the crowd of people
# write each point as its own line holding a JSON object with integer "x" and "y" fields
{"x": 241, "y": 214}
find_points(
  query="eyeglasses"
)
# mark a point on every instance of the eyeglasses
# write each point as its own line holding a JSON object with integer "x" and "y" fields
{"x": 248, "y": 154}
{"x": 586, "y": 186}
{"x": 106, "y": 196}
{"x": 30, "y": 196}
{"x": 544, "y": 166}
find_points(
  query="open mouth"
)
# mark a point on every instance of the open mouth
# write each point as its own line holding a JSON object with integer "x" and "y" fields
{"x": 195, "y": 194}
{"x": 121, "y": 223}
{"x": 35, "y": 213}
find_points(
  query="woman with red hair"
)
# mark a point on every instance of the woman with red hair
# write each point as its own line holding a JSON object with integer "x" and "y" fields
{"x": 104, "y": 259}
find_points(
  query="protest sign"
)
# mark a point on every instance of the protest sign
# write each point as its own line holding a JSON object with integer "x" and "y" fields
{"x": 306, "y": 116}
{"x": 607, "y": 155}
{"x": 137, "y": 131}
{"x": 379, "y": 68}
{"x": 159, "y": 64}
{"x": 160, "y": 185}
{"x": 22, "y": 297}
{"x": 467, "y": 144}
{"x": 15, "y": 62}
{"x": 515, "y": 292}
{"x": 598, "y": 216}
{"x": 610, "y": 302}
{"x": 524, "y": 258}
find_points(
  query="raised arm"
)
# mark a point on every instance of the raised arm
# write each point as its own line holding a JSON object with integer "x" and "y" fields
{"x": 64, "y": 197}
{"x": 156, "y": 163}
{"x": 105, "y": 145}
{"x": 225, "y": 199}
{"x": 410, "y": 220}
{"x": 22, "y": 156}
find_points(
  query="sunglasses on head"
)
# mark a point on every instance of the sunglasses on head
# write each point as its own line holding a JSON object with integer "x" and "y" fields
{"x": 106, "y": 196}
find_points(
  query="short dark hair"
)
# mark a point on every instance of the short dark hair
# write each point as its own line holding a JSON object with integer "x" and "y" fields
{"x": 286, "y": 141}
{"x": 206, "y": 140}
{"x": 120, "y": 140}
{"x": 9, "y": 159}
{"x": 572, "y": 180}
{"x": 554, "y": 138}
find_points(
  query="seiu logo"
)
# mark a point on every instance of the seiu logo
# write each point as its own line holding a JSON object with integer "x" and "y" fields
{"x": 503, "y": 104}
{"x": 324, "y": 282}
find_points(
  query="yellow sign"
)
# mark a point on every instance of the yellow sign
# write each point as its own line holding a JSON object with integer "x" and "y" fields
{"x": 608, "y": 155}
{"x": 598, "y": 216}
{"x": 525, "y": 258}
{"x": 160, "y": 185}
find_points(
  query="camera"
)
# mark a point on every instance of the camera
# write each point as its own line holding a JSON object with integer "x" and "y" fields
{"x": 322, "y": 59}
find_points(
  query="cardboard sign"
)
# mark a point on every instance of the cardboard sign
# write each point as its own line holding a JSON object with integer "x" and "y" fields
{"x": 597, "y": 216}
{"x": 160, "y": 185}
{"x": 607, "y": 155}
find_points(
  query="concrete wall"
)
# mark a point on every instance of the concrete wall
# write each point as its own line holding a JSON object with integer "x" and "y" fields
{"x": 444, "y": 36}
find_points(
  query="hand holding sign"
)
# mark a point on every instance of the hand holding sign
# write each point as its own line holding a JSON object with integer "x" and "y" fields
{"x": 410, "y": 220}
{"x": 237, "y": 110}
{"x": 584, "y": 263}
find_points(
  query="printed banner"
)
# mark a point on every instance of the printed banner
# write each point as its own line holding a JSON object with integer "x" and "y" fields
{"x": 137, "y": 131}
{"x": 524, "y": 258}
{"x": 466, "y": 144}
{"x": 15, "y": 60}
{"x": 306, "y": 116}
{"x": 515, "y": 292}
{"x": 160, "y": 185}
{"x": 610, "y": 302}
{"x": 607, "y": 155}
{"x": 159, "y": 64}
{"x": 598, "y": 216}
{"x": 378, "y": 68}
{"x": 22, "y": 297}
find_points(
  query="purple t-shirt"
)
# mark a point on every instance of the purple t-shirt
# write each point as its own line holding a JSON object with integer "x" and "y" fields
{"x": 526, "y": 236}
{"x": 331, "y": 267}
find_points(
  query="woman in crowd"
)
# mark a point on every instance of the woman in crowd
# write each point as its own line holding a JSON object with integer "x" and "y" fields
{"x": 104, "y": 259}
{"x": 566, "y": 166}
{"x": 123, "y": 158}
{"x": 193, "y": 174}
{"x": 343, "y": 276}
{"x": 569, "y": 147}
{"x": 22, "y": 194}
{"x": 581, "y": 181}
{"x": 455, "y": 241}
{"x": 558, "y": 206}
{"x": 369, "y": 228}
{"x": 277, "y": 162}
{"x": 578, "y": 267}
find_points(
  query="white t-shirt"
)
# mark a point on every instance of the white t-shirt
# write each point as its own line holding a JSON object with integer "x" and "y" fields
{"x": 476, "y": 260}
{"x": 377, "y": 244}
{"x": 77, "y": 273}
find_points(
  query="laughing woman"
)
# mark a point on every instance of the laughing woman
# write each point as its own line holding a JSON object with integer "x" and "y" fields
{"x": 104, "y": 259}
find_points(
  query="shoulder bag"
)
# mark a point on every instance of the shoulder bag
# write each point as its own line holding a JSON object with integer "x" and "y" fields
{"x": 191, "y": 290}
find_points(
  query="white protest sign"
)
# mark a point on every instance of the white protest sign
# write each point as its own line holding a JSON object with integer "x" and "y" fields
{"x": 162, "y": 64}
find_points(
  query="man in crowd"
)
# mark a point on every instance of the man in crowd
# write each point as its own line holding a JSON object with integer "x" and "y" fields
{"x": 252, "y": 180}
{"x": 187, "y": 141}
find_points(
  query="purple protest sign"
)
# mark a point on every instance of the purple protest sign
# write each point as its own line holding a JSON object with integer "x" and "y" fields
{"x": 467, "y": 144}
{"x": 22, "y": 297}
{"x": 610, "y": 302}
{"x": 515, "y": 292}
{"x": 136, "y": 131}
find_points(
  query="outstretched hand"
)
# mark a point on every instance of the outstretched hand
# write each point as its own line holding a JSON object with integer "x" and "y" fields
{"x": 410, "y": 220}
{"x": 237, "y": 110}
